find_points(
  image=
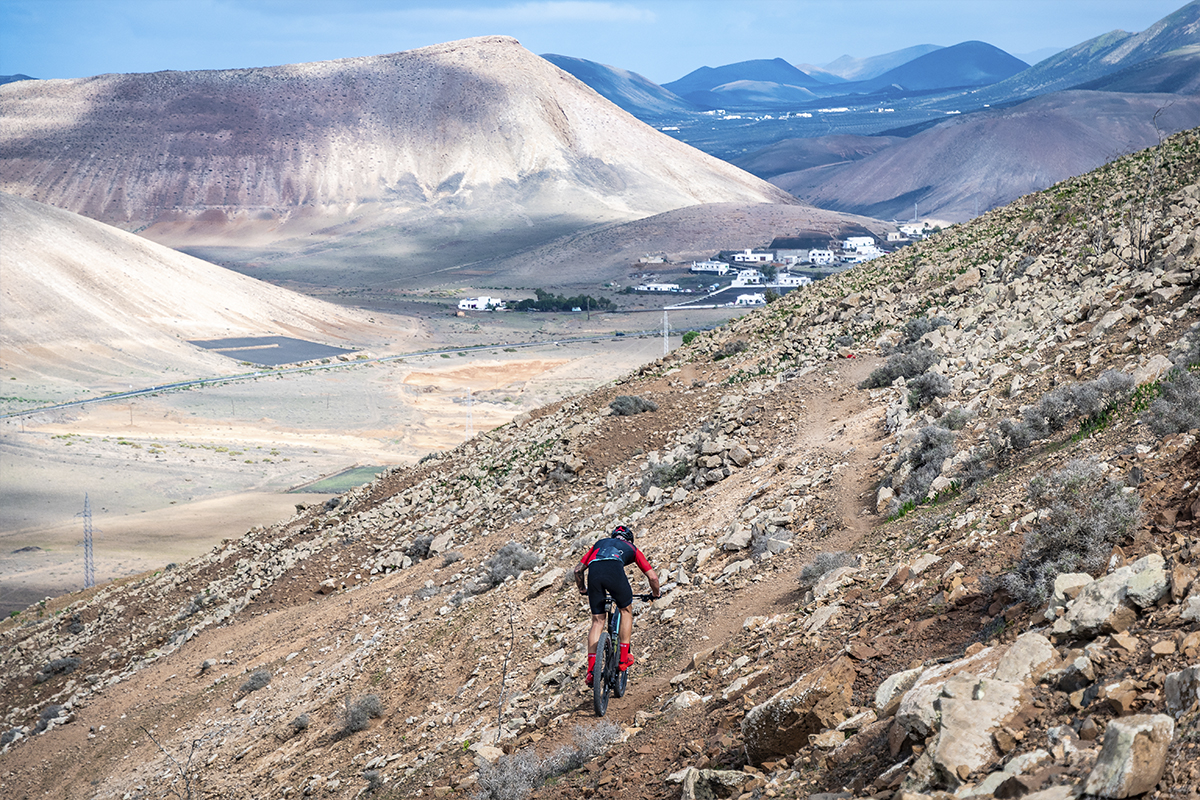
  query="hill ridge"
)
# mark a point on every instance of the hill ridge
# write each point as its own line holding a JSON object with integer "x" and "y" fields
{"x": 774, "y": 448}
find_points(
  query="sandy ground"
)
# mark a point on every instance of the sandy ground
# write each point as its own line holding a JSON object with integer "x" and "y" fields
{"x": 169, "y": 476}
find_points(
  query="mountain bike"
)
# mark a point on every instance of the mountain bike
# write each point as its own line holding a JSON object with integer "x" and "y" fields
{"x": 608, "y": 678}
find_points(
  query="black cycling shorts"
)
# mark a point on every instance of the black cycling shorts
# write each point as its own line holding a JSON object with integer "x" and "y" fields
{"x": 604, "y": 578}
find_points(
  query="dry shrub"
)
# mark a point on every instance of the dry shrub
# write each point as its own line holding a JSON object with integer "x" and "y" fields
{"x": 1083, "y": 515}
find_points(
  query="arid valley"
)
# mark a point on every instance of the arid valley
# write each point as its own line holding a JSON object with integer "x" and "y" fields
{"x": 320, "y": 378}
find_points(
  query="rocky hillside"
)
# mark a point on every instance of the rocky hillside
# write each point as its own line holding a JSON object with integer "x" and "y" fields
{"x": 431, "y": 156}
{"x": 919, "y": 531}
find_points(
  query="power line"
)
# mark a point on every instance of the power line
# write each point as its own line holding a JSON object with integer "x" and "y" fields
{"x": 89, "y": 564}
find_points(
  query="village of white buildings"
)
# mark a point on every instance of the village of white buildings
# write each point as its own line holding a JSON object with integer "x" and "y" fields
{"x": 777, "y": 270}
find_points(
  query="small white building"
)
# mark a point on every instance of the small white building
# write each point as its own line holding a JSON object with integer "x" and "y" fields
{"x": 915, "y": 230}
{"x": 858, "y": 242}
{"x": 658, "y": 287}
{"x": 480, "y": 304}
{"x": 748, "y": 277}
{"x": 755, "y": 299}
{"x": 896, "y": 236}
{"x": 859, "y": 256}
{"x": 788, "y": 279}
{"x": 717, "y": 267}
{"x": 820, "y": 258}
{"x": 749, "y": 256}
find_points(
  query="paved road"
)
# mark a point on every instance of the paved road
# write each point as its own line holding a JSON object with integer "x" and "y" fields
{"x": 245, "y": 376}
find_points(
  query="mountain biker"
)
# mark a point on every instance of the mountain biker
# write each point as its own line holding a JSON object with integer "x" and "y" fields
{"x": 605, "y": 564}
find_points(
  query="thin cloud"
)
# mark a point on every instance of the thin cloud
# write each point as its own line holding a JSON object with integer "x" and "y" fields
{"x": 555, "y": 11}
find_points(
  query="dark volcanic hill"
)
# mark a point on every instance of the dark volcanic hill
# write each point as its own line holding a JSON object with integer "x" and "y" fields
{"x": 793, "y": 155}
{"x": 863, "y": 69}
{"x": 964, "y": 64}
{"x": 400, "y": 163}
{"x": 628, "y": 90}
{"x": 14, "y": 78}
{"x": 768, "y": 80}
{"x": 972, "y": 163}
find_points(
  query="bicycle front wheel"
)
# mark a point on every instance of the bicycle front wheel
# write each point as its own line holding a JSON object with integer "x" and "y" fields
{"x": 600, "y": 672}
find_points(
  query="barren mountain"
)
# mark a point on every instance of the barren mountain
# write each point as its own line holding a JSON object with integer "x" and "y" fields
{"x": 921, "y": 538}
{"x": 969, "y": 164}
{"x": 794, "y": 155}
{"x": 636, "y": 94}
{"x": 82, "y": 301}
{"x": 405, "y": 162}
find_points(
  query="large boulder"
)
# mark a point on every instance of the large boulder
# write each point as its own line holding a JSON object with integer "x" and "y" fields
{"x": 709, "y": 784}
{"x": 1027, "y": 660}
{"x": 1182, "y": 689}
{"x": 971, "y": 712}
{"x": 1110, "y": 604}
{"x": 918, "y": 712}
{"x": 817, "y": 701}
{"x": 1133, "y": 756}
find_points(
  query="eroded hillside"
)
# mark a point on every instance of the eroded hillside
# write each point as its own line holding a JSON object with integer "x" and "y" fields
{"x": 400, "y": 643}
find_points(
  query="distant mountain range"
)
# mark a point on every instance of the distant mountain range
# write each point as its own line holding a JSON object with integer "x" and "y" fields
{"x": 14, "y": 78}
{"x": 849, "y": 68}
{"x": 965, "y": 134}
{"x": 972, "y": 163}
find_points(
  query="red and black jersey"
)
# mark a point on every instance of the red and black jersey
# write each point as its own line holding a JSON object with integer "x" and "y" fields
{"x": 614, "y": 549}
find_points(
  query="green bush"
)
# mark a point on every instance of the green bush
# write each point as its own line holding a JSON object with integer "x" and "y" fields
{"x": 690, "y": 336}
{"x": 1082, "y": 515}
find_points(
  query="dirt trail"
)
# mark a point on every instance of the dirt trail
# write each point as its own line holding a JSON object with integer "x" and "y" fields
{"x": 846, "y": 427}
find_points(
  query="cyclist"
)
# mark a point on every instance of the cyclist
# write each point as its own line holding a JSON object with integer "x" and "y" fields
{"x": 605, "y": 564}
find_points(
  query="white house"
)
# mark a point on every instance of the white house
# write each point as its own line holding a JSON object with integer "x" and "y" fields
{"x": 480, "y": 304}
{"x": 914, "y": 230}
{"x": 718, "y": 267}
{"x": 748, "y": 277}
{"x": 788, "y": 279}
{"x": 755, "y": 299}
{"x": 820, "y": 257}
{"x": 895, "y": 236}
{"x": 859, "y": 256}
{"x": 658, "y": 287}
{"x": 856, "y": 242}
{"x": 749, "y": 256}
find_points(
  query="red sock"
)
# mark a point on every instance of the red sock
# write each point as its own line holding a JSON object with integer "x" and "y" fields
{"x": 624, "y": 651}
{"x": 591, "y": 662}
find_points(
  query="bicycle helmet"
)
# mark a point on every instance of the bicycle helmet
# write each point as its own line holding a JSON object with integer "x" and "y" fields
{"x": 621, "y": 532}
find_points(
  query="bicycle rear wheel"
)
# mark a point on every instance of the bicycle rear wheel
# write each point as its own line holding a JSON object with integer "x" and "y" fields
{"x": 621, "y": 679}
{"x": 600, "y": 675}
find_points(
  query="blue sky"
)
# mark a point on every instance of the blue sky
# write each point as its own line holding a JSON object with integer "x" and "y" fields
{"x": 661, "y": 39}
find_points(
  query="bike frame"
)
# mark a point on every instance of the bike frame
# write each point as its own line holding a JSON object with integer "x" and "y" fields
{"x": 608, "y": 679}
